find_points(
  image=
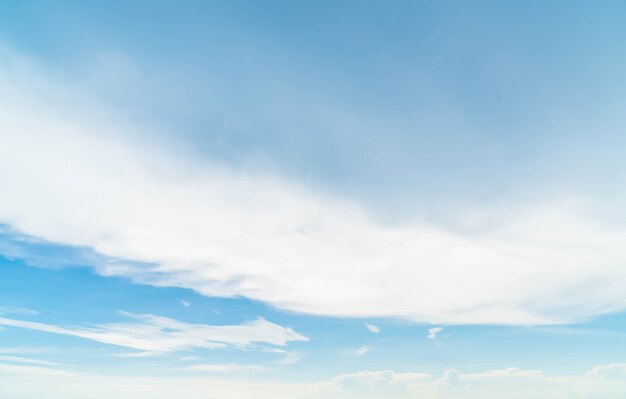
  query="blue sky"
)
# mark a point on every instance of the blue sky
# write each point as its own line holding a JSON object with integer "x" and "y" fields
{"x": 312, "y": 199}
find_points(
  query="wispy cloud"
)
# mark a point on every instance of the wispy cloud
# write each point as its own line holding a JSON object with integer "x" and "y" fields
{"x": 19, "y": 359}
{"x": 360, "y": 351}
{"x": 112, "y": 188}
{"x": 134, "y": 355}
{"x": 188, "y": 359}
{"x": 290, "y": 358}
{"x": 26, "y": 350}
{"x": 372, "y": 328}
{"x": 155, "y": 334}
{"x": 18, "y": 311}
{"x": 13, "y": 369}
{"x": 433, "y": 332}
{"x": 225, "y": 368}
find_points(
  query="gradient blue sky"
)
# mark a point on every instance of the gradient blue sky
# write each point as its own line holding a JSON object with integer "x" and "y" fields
{"x": 322, "y": 199}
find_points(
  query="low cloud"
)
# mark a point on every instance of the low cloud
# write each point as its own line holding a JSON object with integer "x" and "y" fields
{"x": 26, "y": 381}
{"x": 453, "y": 384}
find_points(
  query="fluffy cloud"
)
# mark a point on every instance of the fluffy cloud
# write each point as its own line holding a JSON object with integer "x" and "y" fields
{"x": 73, "y": 172}
{"x": 155, "y": 334}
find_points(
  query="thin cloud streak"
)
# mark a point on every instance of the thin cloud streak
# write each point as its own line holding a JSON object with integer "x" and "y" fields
{"x": 360, "y": 351}
{"x": 225, "y": 368}
{"x": 156, "y": 334}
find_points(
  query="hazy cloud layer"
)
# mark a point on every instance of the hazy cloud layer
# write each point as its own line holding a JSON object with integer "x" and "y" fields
{"x": 607, "y": 382}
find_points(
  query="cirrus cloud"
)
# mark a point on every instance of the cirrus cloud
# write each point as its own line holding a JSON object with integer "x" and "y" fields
{"x": 157, "y": 334}
{"x": 73, "y": 172}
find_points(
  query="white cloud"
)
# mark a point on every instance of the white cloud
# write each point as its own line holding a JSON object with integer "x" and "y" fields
{"x": 224, "y": 368}
{"x": 511, "y": 383}
{"x": 383, "y": 384}
{"x": 372, "y": 328}
{"x": 290, "y": 358}
{"x": 32, "y": 371}
{"x": 432, "y": 333}
{"x": 226, "y": 232}
{"x": 18, "y": 310}
{"x": 613, "y": 371}
{"x": 135, "y": 355}
{"x": 106, "y": 387}
{"x": 360, "y": 351}
{"x": 19, "y": 359}
{"x": 188, "y": 359}
{"x": 155, "y": 334}
{"x": 26, "y": 350}
{"x": 452, "y": 384}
